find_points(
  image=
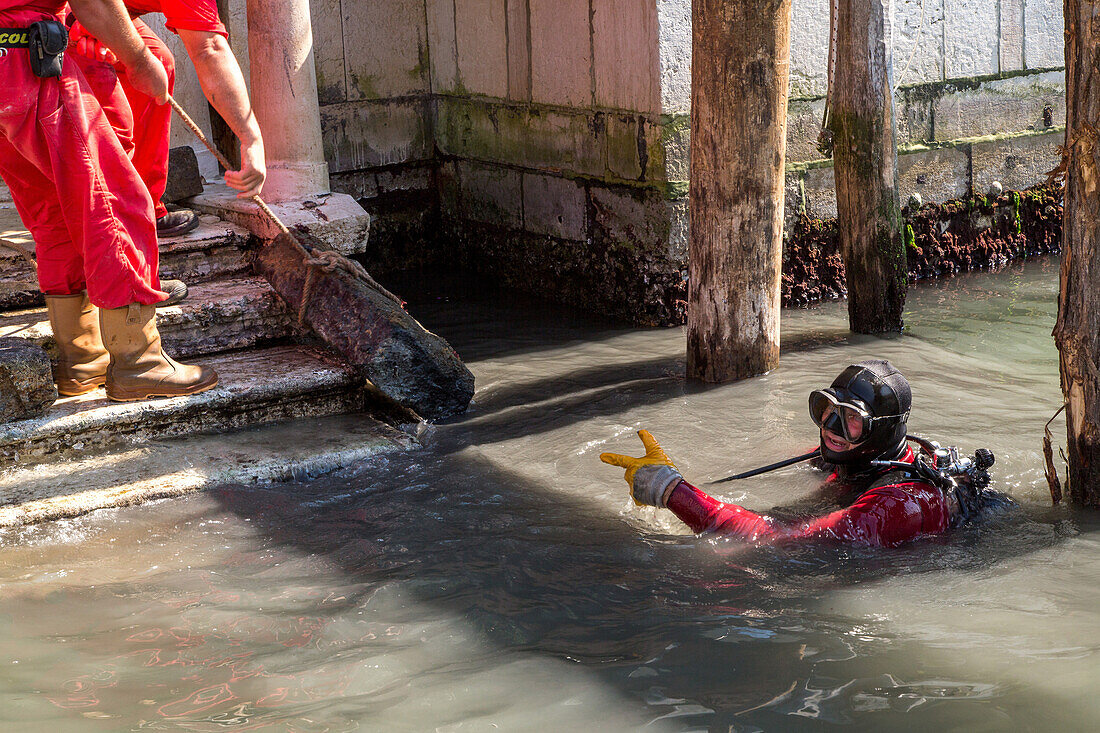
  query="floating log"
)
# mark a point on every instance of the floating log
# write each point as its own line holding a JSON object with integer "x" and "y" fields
{"x": 407, "y": 363}
{"x": 367, "y": 324}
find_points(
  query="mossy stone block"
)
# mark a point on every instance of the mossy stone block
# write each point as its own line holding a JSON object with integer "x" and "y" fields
{"x": 26, "y": 380}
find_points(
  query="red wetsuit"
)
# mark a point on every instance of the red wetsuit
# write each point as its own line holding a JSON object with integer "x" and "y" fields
{"x": 142, "y": 125}
{"x": 72, "y": 182}
{"x": 891, "y": 511}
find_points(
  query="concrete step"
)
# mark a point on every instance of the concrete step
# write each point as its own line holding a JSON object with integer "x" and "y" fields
{"x": 217, "y": 249}
{"x": 256, "y": 386}
{"x": 296, "y": 450}
{"x": 219, "y": 316}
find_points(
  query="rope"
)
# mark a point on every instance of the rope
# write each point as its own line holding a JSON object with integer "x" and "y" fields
{"x": 25, "y": 253}
{"x": 317, "y": 259}
{"x": 834, "y": 10}
{"x": 330, "y": 261}
{"x": 916, "y": 45}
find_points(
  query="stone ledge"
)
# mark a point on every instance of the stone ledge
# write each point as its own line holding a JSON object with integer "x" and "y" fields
{"x": 215, "y": 249}
{"x": 26, "y": 383}
{"x": 218, "y": 316}
{"x": 293, "y": 450}
{"x": 256, "y": 387}
{"x": 211, "y": 232}
{"x": 334, "y": 218}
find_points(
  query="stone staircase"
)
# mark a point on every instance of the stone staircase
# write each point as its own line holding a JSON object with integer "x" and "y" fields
{"x": 273, "y": 376}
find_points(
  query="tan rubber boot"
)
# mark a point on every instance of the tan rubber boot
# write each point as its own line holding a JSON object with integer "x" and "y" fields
{"x": 139, "y": 369}
{"x": 82, "y": 365}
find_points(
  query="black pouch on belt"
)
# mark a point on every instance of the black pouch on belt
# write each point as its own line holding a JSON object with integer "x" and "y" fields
{"x": 46, "y": 44}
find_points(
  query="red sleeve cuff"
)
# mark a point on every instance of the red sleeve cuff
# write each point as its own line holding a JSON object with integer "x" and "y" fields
{"x": 176, "y": 26}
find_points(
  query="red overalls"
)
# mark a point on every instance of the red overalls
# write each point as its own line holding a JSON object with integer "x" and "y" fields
{"x": 887, "y": 514}
{"x": 71, "y": 180}
{"x": 143, "y": 126}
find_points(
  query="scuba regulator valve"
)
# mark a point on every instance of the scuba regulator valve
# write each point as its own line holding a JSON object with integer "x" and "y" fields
{"x": 967, "y": 477}
{"x": 944, "y": 467}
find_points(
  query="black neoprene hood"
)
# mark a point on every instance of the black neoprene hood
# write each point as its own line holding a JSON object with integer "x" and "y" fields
{"x": 885, "y": 393}
{"x": 878, "y": 385}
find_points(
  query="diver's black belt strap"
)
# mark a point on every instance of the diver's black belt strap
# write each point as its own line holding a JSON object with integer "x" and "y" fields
{"x": 14, "y": 37}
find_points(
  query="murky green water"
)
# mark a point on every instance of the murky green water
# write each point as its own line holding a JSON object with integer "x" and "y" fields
{"x": 500, "y": 578}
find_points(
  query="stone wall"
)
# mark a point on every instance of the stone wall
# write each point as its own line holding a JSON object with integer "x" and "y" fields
{"x": 549, "y": 127}
{"x": 545, "y": 142}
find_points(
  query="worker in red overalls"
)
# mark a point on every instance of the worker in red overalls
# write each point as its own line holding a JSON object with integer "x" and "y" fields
{"x": 87, "y": 208}
{"x": 143, "y": 125}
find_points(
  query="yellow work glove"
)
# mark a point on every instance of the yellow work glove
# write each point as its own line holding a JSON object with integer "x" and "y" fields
{"x": 649, "y": 476}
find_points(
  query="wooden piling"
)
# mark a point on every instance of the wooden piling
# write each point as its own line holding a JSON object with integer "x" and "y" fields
{"x": 865, "y": 167}
{"x": 1076, "y": 331}
{"x": 740, "y": 68}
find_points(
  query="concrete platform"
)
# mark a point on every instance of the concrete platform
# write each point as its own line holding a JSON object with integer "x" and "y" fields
{"x": 228, "y": 314}
{"x": 296, "y": 450}
{"x": 257, "y": 386}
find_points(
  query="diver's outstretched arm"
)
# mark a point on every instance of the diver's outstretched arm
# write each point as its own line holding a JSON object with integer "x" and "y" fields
{"x": 884, "y": 516}
{"x": 887, "y": 515}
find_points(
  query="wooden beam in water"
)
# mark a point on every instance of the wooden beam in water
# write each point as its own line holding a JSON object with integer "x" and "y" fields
{"x": 740, "y": 65}
{"x": 410, "y": 365}
{"x": 865, "y": 163}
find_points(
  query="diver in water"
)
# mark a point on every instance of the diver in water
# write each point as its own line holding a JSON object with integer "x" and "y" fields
{"x": 890, "y": 493}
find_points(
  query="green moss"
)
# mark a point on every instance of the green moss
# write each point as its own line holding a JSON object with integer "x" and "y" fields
{"x": 676, "y": 124}
{"x": 910, "y": 238}
{"x": 420, "y": 70}
{"x": 808, "y": 165}
{"x": 676, "y": 190}
{"x": 365, "y": 85}
{"x": 933, "y": 90}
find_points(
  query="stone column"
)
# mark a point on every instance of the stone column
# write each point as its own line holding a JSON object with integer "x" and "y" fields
{"x": 284, "y": 97}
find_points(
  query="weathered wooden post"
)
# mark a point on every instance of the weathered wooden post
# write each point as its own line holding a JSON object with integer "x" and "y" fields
{"x": 865, "y": 166}
{"x": 1076, "y": 331}
{"x": 739, "y": 77}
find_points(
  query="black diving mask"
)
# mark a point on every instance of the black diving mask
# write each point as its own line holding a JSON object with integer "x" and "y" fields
{"x": 843, "y": 414}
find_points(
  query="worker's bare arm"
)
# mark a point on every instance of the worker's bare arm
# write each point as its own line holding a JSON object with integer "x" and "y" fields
{"x": 109, "y": 21}
{"x": 223, "y": 84}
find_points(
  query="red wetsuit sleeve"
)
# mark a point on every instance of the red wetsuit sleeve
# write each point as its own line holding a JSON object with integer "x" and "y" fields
{"x": 187, "y": 15}
{"x": 885, "y": 516}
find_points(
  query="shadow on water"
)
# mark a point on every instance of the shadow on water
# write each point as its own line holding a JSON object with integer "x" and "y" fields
{"x": 699, "y": 633}
{"x": 465, "y": 309}
{"x": 708, "y": 633}
{"x": 659, "y": 369}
